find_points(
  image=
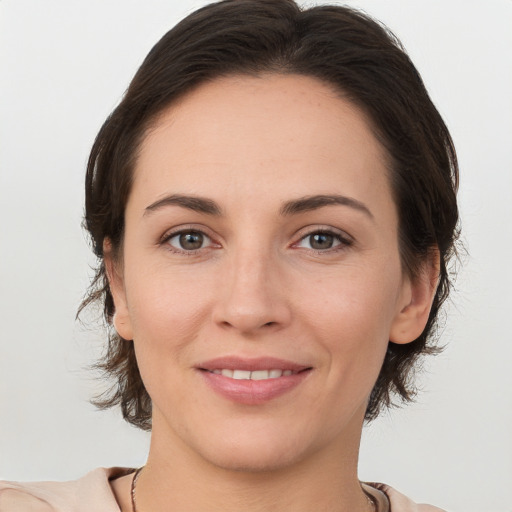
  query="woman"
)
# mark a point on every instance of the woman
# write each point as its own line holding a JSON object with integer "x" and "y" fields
{"x": 273, "y": 206}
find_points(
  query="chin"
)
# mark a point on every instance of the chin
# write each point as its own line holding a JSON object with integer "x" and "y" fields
{"x": 255, "y": 459}
{"x": 263, "y": 450}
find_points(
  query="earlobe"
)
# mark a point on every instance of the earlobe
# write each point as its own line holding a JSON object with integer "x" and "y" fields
{"x": 418, "y": 295}
{"x": 121, "y": 319}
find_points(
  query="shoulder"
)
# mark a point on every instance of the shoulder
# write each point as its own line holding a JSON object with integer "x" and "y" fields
{"x": 18, "y": 500}
{"x": 91, "y": 492}
{"x": 398, "y": 502}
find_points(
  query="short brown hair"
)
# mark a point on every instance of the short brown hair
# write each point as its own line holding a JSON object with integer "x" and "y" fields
{"x": 339, "y": 46}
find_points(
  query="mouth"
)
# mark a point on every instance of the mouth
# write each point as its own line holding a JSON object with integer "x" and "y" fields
{"x": 255, "y": 374}
{"x": 252, "y": 381}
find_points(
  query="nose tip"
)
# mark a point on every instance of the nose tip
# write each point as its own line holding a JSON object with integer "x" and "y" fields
{"x": 250, "y": 310}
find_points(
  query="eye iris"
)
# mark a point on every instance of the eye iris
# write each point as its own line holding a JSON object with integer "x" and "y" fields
{"x": 191, "y": 240}
{"x": 321, "y": 241}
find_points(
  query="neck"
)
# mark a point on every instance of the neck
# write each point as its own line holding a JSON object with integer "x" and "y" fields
{"x": 175, "y": 478}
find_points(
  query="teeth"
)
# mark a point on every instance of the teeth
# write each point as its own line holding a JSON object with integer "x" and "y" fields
{"x": 260, "y": 375}
{"x": 255, "y": 375}
{"x": 241, "y": 375}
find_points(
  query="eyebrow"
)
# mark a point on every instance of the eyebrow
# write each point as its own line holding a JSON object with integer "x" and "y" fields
{"x": 309, "y": 203}
{"x": 194, "y": 203}
{"x": 303, "y": 204}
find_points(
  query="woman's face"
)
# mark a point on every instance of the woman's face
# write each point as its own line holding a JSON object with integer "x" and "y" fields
{"x": 261, "y": 277}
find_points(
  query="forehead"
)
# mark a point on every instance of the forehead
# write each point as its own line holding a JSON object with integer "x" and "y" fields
{"x": 286, "y": 134}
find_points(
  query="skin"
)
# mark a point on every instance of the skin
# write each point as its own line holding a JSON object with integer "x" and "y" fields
{"x": 257, "y": 286}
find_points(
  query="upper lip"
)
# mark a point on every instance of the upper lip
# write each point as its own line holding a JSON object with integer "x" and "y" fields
{"x": 251, "y": 364}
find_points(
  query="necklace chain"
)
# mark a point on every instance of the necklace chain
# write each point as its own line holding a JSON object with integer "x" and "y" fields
{"x": 132, "y": 491}
{"x": 372, "y": 502}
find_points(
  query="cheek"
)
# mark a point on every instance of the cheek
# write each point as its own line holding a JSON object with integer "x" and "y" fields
{"x": 350, "y": 321}
{"x": 167, "y": 311}
{"x": 161, "y": 296}
{"x": 350, "y": 317}
{"x": 357, "y": 305}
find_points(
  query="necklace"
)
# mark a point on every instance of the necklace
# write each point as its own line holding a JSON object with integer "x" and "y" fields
{"x": 371, "y": 501}
{"x": 132, "y": 491}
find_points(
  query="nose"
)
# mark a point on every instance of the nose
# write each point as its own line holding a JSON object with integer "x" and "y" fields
{"x": 252, "y": 295}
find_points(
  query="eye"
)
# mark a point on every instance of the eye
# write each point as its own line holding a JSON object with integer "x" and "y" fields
{"x": 189, "y": 240}
{"x": 323, "y": 241}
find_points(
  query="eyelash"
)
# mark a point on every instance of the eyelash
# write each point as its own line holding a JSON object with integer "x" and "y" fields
{"x": 344, "y": 241}
{"x": 169, "y": 236}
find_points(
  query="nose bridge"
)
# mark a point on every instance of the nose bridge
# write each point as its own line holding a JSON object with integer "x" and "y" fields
{"x": 251, "y": 296}
{"x": 250, "y": 264}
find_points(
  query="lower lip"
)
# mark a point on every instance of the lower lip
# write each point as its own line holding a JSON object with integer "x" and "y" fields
{"x": 253, "y": 392}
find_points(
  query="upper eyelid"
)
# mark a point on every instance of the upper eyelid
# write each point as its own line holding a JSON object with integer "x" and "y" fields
{"x": 345, "y": 240}
{"x": 311, "y": 230}
{"x": 172, "y": 232}
{"x": 299, "y": 235}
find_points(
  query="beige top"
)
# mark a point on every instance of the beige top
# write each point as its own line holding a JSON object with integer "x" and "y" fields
{"x": 92, "y": 493}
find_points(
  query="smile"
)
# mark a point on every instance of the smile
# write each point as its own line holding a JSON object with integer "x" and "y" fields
{"x": 252, "y": 381}
{"x": 253, "y": 375}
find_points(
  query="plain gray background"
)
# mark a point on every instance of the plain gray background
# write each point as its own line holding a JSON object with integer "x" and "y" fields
{"x": 64, "y": 66}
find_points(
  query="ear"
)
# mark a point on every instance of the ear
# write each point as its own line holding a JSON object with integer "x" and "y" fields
{"x": 113, "y": 267}
{"x": 416, "y": 301}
